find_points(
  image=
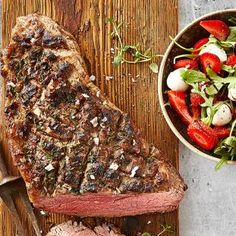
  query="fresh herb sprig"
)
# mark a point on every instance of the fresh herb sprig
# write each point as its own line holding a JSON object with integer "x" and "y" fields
{"x": 137, "y": 54}
{"x": 165, "y": 229}
{"x": 226, "y": 149}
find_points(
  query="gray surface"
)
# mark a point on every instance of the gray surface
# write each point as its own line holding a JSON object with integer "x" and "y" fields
{"x": 209, "y": 207}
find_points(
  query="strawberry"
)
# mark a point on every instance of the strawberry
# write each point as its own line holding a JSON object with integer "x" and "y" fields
{"x": 221, "y": 132}
{"x": 199, "y": 44}
{"x": 210, "y": 60}
{"x": 186, "y": 63}
{"x": 216, "y": 27}
{"x": 196, "y": 99}
{"x": 231, "y": 61}
{"x": 178, "y": 103}
{"x": 196, "y": 112}
{"x": 202, "y": 135}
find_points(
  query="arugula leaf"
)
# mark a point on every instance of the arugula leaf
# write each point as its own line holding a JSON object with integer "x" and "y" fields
{"x": 207, "y": 111}
{"x": 117, "y": 60}
{"x": 211, "y": 90}
{"x": 232, "y": 35}
{"x": 193, "y": 76}
{"x": 230, "y": 80}
{"x": 226, "y": 149}
{"x": 223, "y": 161}
{"x": 154, "y": 67}
{"x": 224, "y": 44}
{"x": 229, "y": 69}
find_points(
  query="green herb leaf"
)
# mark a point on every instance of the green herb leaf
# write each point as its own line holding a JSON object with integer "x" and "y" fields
{"x": 232, "y": 35}
{"x": 224, "y": 44}
{"x": 226, "y": 150}
{"x": 166, "y": 228}
{"x": 223, "y": 161}
{"x": 117, "y": 60}
{"x": 229, "y": 69}
{"x": 211, "y": 90}
{"x": 230, "y": 80}
{"x": 193, "y": 76}
{"x": 154, "y": 67}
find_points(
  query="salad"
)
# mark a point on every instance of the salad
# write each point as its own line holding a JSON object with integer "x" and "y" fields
{"x": 203, "y": 89}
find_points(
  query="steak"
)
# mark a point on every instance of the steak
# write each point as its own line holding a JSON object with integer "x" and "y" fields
{"x": 73, "y": 229}
{"x": 77, "y": 152}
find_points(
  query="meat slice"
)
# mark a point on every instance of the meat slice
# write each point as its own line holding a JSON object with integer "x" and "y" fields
{"x": 77, "y": 152}
{"x": 73, "y": 229}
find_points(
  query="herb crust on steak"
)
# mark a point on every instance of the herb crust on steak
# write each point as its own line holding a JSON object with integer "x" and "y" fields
{"x": 75, "y": 149}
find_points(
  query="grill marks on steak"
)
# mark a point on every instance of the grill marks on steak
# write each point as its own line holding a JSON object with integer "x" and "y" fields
{"x": 64, "y": 136}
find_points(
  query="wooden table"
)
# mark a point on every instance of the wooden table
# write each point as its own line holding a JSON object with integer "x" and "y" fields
{"x": 133, "y": 88}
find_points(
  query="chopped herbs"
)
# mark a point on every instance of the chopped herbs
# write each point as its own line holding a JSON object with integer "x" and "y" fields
{"x": 135, "y": 51}
{"x": 165, "y": 229}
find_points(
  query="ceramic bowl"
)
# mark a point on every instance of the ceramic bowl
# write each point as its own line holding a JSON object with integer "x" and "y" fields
{"x": 187, "y": 37}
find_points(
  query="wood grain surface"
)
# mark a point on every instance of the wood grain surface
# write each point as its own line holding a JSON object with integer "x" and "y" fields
{"x": 133, "y": 88}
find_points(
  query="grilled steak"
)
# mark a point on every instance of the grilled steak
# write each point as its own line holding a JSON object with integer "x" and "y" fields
{"x": 77, "y": 152}
{"x": 73, "y": 229}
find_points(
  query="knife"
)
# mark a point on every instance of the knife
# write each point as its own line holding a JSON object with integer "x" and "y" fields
{"x": 10, "y": 185}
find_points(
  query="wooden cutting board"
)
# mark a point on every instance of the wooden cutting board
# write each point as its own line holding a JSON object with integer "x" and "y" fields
{"x": 133, "y": 88}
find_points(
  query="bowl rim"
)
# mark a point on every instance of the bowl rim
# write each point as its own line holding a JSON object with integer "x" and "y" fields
{"x": 160, "y": 83}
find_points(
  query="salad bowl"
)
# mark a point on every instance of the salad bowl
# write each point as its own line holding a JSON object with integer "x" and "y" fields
{"x": 191, "y": 34}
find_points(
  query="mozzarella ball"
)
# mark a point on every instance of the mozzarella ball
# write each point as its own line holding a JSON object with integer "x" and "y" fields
{"x": 232, "y": 94}
{"x": 223, "y": 116}
{"x": 175, "y": 81}
{"x": 215, "y": 49}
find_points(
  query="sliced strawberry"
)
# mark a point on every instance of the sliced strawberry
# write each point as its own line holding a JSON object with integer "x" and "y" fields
{"x": 186, "y": 63}
{"x": 216, "y": 27}
{"x": 196, "y": 99}
{"x": 196, "y": 112}
{"x": 210, "y": 60}
{"x": 221, "y": 132}
{"x": 231, "y": 61}
{"x": 178, "y": 103}
{"x": 202, "y": 135}
{"x": 199, "y": 44}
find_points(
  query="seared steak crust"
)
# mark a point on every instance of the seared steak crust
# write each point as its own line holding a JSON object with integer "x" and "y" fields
{"x": 64, "y": 136}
